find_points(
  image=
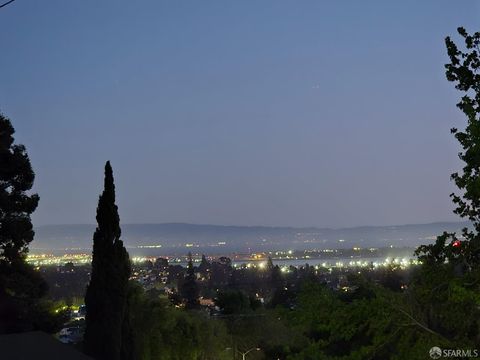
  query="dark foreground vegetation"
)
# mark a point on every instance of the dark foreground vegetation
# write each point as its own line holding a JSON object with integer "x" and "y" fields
{"x": 215, "y": 312}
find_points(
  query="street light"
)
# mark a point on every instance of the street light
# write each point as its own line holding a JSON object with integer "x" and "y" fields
{"x": 244, "y": 354}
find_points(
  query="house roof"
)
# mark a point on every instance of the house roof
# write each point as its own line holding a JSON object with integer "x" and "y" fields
{"x": 36, "y": 345}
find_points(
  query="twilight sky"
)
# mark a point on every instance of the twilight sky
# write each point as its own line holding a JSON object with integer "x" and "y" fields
{"x": 236, "y": 112}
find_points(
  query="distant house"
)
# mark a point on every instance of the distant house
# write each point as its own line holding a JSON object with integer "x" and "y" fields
{"x": 207, "y": 302}
{"x": 80, "y": 313}
{"x": 36, "y": 345}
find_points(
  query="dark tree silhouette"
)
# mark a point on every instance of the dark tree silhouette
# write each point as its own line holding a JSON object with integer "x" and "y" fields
{"x": 16, "y": 206}
{"x": 464, "y": 71}
{"x": 204, "y": 267}
{"x": 20, "y": 285}
{"x": 107, "y": 328}
{"x": 189, "y": 290}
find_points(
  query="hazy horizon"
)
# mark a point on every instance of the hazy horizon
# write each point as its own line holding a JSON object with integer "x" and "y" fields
{"x": 214, "y": 238}
{"x": 460, "y": 221}
{"x": 303, "y": 114}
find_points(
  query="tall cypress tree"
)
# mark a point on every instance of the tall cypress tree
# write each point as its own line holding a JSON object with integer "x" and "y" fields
{"x": 106, "y": 298}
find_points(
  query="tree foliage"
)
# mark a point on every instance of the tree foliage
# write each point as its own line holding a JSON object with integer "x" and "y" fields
{"x": 21, "y": 288}
{"x": 463, "y": 71}
{"x": 165, "y": 333}
{"x": 189, "y": 288}
{"x": 16, "y": 205}
{"x": 382, "y": 325}
{"x": 107, "y": 328}
{"x": 447, "y": 285}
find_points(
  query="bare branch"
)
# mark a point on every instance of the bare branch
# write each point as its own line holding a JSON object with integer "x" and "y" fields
{"x": 415, "y": 322}
{"x": 5, "y": 4}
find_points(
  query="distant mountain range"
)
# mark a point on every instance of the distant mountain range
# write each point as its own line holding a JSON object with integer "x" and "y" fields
{"x": 178, "y": 237}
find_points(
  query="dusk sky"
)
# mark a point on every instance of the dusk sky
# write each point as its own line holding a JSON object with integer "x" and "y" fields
{"x": 301, "y": 113}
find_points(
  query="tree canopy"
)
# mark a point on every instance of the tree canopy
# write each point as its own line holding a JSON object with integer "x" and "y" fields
{"x": 16, "y": 205}
{"x": 22, "y": 289}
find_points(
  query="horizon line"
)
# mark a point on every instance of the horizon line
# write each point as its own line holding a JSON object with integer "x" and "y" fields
{"x": 266, "y": 226}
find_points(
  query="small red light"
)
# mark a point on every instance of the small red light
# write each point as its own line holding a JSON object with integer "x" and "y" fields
{"x": 456, "y": 243}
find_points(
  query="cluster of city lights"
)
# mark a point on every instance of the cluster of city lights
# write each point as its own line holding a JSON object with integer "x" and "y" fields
{"x": 254, "y": 261}
{"x": 388, "y": 262}
{"x": 50, "y": 259}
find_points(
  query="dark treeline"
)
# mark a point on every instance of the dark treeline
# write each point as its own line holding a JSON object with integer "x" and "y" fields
{"x": 214, "y": 311}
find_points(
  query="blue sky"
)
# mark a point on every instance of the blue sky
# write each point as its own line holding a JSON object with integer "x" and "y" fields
{"x": 248, "y": 112}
